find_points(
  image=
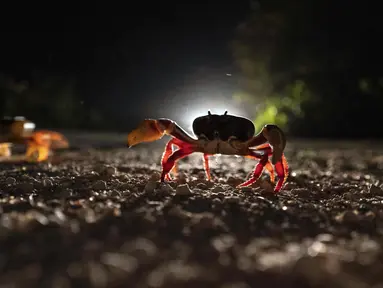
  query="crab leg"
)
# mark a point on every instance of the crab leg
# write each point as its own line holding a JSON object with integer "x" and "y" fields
{"x": 281, "y": 167}
{"x": 42, "y": 142}
{"x": 151, "y": 130}
{"x": 5, "y": 149}
{"x": 206, "y": 166}
{"x": 168, "y": 151}
{"x": 273, "y": 135}
{"x": 168, "y": 164}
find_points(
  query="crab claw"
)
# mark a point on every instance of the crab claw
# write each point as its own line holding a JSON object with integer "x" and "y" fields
{"x": 147, "y": 131}
{"x": 277, "y": 140}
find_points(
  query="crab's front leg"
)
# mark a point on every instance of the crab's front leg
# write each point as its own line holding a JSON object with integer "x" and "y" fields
{"x": 168, "y": 164}
{"x": 168, "y": 151}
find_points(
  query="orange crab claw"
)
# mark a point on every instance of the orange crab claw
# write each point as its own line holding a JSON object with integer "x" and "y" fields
{"x": 147, "y": 131}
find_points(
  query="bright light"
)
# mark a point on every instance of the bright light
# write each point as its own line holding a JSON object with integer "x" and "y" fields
{"x": 29, "y": 126}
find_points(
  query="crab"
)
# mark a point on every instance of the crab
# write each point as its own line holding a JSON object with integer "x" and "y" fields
{"x": 218, "y": 134}
{"x": 19, "y": 130}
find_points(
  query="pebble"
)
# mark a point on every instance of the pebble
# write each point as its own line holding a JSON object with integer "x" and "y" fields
{"x": 375, "y": 190}
{"x": 155, "y": 177}
{"x": 183, "y": 189}
{"x": 150, "y": 186}
{"x": 10, "y": 181}
{"x": 99, "y": 185}
{"x": 47, "y": 183}
{"x": 348, "y": 217}
{"x": 25, "y": 187}
{"x": 218, "y": 189}
{"x": 202, "y": 186}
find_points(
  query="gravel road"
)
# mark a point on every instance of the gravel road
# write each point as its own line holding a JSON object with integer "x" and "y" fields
{"x": 99, "y": 218}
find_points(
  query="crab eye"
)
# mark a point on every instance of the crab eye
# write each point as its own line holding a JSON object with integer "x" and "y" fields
{"x": 203, "y": 137}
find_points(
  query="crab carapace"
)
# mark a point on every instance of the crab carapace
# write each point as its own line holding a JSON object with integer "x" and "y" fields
{"x": 19, "y": 130}
{"x": 218, "y": 134}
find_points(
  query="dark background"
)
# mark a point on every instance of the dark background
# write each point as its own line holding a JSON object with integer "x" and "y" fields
{"x": 107, "y": 65}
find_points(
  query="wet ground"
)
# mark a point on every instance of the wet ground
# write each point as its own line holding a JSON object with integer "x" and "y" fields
{"x": 99, "y": 218}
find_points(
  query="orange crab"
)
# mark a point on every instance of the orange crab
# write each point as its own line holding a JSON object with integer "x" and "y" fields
{"x": 218, "y": 134}
{"x": 18, "y": 130}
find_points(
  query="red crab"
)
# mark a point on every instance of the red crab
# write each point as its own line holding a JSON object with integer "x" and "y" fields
{"x": 18, "y": 130}
{"x": 218, "y": 134}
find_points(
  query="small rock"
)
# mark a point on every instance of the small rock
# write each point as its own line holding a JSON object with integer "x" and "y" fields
{"x": 266, "y": 185}
{"x": 202, "y": 186}
{"x": 25, "y": 187}
{"x": 181, "y": 178}
{"x": 150, "y": 186}
{"x": 115, "y": 193}
{"x": 10, "y": 181}
{"x": 246, "y": 189}
{"x": 218, "y": 189}
{"x": 301, "y": 192}
{"x": 183, "y": 189}
{"x": 99, "y": 185}
{"x": 47, "y": 183}
{"x": 110, "y": 170}
{"x": 166, "y": 188}
{"x": 201, "y": 175}
{"x": 155, "y": 177}
{"x": 223, "y": 243}
{"x": 375, "y": 190}
{"x": 348, "y": 217}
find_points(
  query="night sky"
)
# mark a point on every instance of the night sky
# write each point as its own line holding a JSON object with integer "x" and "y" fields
{"x": 133, "y": 59}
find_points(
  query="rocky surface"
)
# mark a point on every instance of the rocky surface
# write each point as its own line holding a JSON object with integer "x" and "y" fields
{"x": 100, "y": 218}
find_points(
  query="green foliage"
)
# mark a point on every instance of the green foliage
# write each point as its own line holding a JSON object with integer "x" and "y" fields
{"x": 276, "y": 93}
{"x": 276, "y": 109}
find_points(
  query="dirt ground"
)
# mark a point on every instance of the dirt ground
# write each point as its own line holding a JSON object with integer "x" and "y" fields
{"x": 99, "y": 218}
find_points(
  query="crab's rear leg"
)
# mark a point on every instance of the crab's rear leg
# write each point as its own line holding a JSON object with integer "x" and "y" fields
{"x": 258, "y": 169}
{"x": 169, "y": 163}
{"x": 281, "y": 167}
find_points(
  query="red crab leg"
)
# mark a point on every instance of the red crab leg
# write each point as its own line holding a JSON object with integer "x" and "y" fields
{"x": 167, "y": 165}
{"x": 273, "y": 135}
{"x": 281, "y": 167}
{"x": 206, "y": 166}
{"x": 168, "y": 151}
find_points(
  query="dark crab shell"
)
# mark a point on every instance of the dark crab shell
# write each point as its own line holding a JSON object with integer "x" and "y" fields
{"x": 222, "y": 127}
